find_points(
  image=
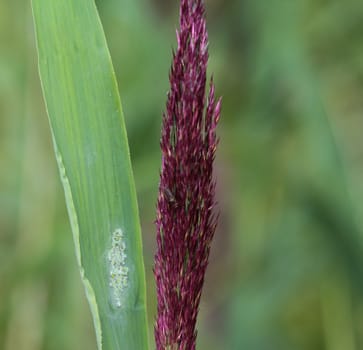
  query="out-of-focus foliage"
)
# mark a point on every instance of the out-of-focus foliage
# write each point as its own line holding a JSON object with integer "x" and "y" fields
{"x": 286, "y": 269}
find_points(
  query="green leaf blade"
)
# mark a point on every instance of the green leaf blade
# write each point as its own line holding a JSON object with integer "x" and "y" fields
{"x": 93, "y": 156}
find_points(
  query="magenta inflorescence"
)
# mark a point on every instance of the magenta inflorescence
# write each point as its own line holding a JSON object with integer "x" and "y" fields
{"x": 185, "y": 221}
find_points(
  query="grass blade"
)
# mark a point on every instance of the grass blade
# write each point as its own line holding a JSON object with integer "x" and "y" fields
{"x": 91, "y": 146}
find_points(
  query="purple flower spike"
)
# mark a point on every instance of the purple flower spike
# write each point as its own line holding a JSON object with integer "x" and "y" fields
{"x": 185, "y": 219}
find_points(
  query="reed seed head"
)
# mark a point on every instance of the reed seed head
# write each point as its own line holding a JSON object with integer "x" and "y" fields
{"x": 185, "y": 219}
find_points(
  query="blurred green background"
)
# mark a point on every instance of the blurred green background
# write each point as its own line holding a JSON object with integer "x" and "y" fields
{"x": 286, "y": 268}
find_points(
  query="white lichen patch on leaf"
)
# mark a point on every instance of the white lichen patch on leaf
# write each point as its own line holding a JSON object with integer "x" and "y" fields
{"x": 118, "y": 271}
